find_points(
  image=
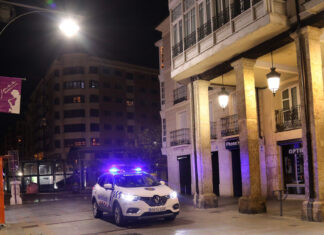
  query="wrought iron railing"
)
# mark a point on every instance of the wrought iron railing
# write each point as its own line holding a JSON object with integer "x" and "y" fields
{"x": 179, "y": 94}
{"x": 190, "y": 40}
{"x": 179, "y": 137}
{"x": 213, "y": 130}
{"x": 177, "y": 49}
{"x": 229, "y": 125}
{"x": 238, "y": 7}
{"x": 288, "y": 119}
{"x": 204, "y": 30}
{"x": 221, "y": 18}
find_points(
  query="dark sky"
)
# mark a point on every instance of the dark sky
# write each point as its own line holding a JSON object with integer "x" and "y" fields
{"x": 116, "y": 29}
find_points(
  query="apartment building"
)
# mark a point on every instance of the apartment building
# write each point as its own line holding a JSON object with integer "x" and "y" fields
{"x": 268, "y": 136}
{"x": 92, "y": 106}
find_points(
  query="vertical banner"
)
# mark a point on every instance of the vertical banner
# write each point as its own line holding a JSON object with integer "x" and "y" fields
{"x": 10, "y": 95}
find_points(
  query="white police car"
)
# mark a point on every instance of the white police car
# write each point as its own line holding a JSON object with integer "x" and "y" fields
{"x": 133, "y": 194}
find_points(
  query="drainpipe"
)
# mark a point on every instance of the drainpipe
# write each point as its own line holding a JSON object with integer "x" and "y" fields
{"x": 192, "y": 79}
{"x": 304, "y": 90}
{"x": 258, "y": 111}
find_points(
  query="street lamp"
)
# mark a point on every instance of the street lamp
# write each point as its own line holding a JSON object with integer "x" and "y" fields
{"x": 273, "y": 78}
{"x": 223, "y": 96}
{"x": 69, "y": 27}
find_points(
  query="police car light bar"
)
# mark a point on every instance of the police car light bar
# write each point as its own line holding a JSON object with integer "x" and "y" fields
{"x": 113, "y": 170}
{"x": 138, "y": 169}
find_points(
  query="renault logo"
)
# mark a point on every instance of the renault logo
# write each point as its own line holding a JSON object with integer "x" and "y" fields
{"x": 156, "y": 199}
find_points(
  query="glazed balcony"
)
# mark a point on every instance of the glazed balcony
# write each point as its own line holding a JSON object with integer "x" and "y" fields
{"x": 213, "y": 130}
{"x": 229, "y": 125}
{"x": 234, "y": 30}
{"x": 180, "y": 137}
{"x": 288, "y": 119}
{"x": 179, "y": 94}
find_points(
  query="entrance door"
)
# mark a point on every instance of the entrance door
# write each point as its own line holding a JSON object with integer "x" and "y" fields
{"x": 185, "y": 174}
{"x": 236, "y": 169}
{"x": 215, "y": 168}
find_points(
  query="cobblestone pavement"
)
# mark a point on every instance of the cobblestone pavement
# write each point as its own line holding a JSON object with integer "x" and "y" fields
{"x": 65, "y": 214}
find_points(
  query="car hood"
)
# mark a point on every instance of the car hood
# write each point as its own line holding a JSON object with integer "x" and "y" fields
{"x": 161, "y": 190}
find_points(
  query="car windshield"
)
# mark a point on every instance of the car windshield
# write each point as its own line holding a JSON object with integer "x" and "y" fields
{"x": 136, "y": 180}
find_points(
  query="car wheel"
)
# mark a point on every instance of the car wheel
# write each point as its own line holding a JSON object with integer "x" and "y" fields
{"x": 118, "y": 215}
{"x": 170, "y": 218}
{"x": 97, "y": 213}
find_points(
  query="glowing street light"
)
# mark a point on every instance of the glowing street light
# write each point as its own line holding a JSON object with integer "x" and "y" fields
{"x": 69, "y": 27}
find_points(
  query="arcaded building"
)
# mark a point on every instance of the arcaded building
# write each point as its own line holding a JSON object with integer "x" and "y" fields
{"x": 268, "y": 136}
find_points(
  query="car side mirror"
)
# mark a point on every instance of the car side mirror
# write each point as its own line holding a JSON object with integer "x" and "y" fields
{"x": 108, "y": 186}
{"x": 162, "y": 182}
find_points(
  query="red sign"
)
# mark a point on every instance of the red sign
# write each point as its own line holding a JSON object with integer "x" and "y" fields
{"x": 10, "y": 95}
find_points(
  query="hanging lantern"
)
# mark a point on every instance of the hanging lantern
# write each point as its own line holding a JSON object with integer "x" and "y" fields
{"x": 223, "y": 98}
{"x": 273, "y": 79}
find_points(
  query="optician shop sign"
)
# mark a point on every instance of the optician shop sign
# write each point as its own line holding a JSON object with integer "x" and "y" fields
{"x": 10, "y": 95}
{"x": 232, "y": 144}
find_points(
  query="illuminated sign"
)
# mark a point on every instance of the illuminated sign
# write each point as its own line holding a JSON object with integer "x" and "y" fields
{"x": 232, "y": 144}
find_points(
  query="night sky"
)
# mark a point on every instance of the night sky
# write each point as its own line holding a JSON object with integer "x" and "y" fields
{"x": 116, "y": 29}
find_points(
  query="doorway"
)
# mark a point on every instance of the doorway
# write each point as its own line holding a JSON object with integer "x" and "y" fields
{"x": 215, "y": 168}
{"x": 236, "y": 170}
{"x": 185, "y": 174}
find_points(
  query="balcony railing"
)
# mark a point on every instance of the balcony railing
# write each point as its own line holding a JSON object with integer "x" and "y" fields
{"x": 238, "y": 7}
{"x": 288, "y": 119}
{"x": 179, "y": 94}
{"x": 221, "y": 18}
{"x": 213, "y": 130}
{"x": 190, "y": 40}
{"x": 204, "y": 30}
{"x": 180, "y": 137}
{"x": 177, "y": 49}
{"x": 229, "y": 125}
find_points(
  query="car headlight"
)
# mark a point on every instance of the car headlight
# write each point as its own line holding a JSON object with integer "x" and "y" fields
{"x": 173, "y": 195}
{"x": 129, "y": 197}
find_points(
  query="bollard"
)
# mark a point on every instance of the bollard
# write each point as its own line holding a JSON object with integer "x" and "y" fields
{"x": 282, "y": 195}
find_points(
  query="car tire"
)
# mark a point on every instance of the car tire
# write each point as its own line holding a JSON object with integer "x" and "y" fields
{"x": 170, "y": 218}
{"x": 118, "y": 215}
{"x": 97, "y": 213}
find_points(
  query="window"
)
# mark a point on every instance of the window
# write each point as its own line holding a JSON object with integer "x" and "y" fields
{"x": 57, "y": 87}
{"x": 94, "y": 112}
{"x": 107, "y": 113}
{"x": 57, "y": 115}
{"x": 106, "y": 70}
{"x": 201, "y": 14}
{"x": 93, "y": 84}
{"x": 187, "y": 4}
{"x": 129, "y": 89}
{"x": 73, "y": 70}
{"x": 57, "y": 129}
{"x": 107, "y": 126}
{"x": 94, "y": 142}
{"x": 129, "y": 76}
{"x": 73, "y": 99}
{"x": 74, "y": 128}
{"x": 56, "y": 73}
{"x": 94, "y": 127}
{"x": 107, "y": 141}
{"x": 56, "y": 101}
{"x": 73, "y": 84}
{"x": 119, "y": 100}
{"x": 57, "y": 144}
{"x": 118, "y": 73}
{"x": 94, "y": 99}
{"x": 74, "y": 113}
{"x": 130, "y": 129}
{"x": 162, "y": 93}
{"x": 74, "y": 142}
{"x": 130, "y": 115}
{"x": 176, "y": 12}
{"x": 93, "y": 69}
{"x": 118, "y": 86}
{"x": 130, "y": 102}
{"x": 164, "y": 130}
{"x": 106, "y": 85}
{"x": 120, "y": 142}
{"x": 119, "y": 128}
{"x": 119, "y": 114}
{"x": 106, "y": 98}
{"x": 289, "y": 102}
{"x": 143, "y": 90}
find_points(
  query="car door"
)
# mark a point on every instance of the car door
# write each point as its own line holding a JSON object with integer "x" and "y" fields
{"x": 108, "y": 192}
{"x": 101, "y": 197}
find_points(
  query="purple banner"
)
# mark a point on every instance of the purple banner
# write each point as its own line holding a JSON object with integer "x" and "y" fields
{"x": 10, "y": 95}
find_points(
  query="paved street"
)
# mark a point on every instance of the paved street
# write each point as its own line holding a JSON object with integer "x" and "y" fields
{"x": 70, "y": 214}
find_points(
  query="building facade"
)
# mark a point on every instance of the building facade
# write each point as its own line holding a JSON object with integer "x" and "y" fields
{"x": 260, "y": 142}
{"x": 96, "y": 106}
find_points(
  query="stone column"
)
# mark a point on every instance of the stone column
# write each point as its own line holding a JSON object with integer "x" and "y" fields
{"x": 200, "y": 126}
{"x": 251, "y": 201}
{"x": 309, "y": 63}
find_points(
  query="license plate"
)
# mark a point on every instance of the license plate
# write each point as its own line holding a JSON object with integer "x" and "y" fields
{"x": 157, "y": 209}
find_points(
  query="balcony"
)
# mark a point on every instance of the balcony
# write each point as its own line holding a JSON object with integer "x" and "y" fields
{"x": 229, "y": 125}
{"x": 213, "y": 130}
{"x": 232, "y": 31}
{"x": 179, "y": 94}
{"x": 180, "y": 137}
{"x": 177, "y": 49}
{"x": 288, "y": 119}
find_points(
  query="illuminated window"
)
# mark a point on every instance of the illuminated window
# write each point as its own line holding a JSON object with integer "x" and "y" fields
{"x": 162, "y": 57}
{"x": 94, "y": 142}
{"x": 129, "y": 102}
{"x": 73, "y": 99}
{"x": 74, "y": 142}
{"x": 93, "y": 84}
{"x": 73, "y": 84}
